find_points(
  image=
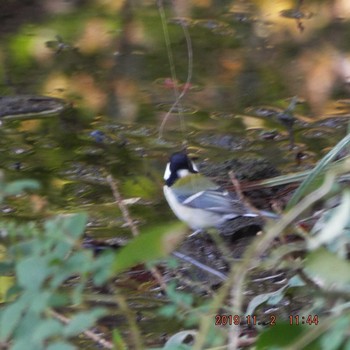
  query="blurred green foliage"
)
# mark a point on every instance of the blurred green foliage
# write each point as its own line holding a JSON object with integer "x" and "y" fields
{"x": 42, "y": 258}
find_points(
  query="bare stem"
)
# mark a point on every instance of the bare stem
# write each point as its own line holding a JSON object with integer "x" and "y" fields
{"x": 123, "y": 208}
{"x": 134, "y": 229}
{"x": 178, "y": 96}
{"x": 89, "y": 334}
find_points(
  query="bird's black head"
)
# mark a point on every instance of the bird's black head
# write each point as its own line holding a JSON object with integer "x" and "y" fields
{"x": 177, "y": 162}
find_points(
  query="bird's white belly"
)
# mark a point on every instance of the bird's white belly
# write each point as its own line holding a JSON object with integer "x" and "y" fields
{"x": 193, "y": 217}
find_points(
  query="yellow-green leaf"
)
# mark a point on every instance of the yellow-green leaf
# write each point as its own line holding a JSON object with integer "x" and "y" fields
{"x": 157, "y": 242}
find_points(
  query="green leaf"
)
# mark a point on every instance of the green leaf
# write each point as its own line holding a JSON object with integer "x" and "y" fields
{"x": 58, "y": 299}
{"x": 6, "y": 282}
{"x": 26, "y": 247}
{"x": 80, "y": 261}
{"x": 118, "y": 340}
{"x": 74, "y": 224}
{"x": 6, "y": 267}
{"x": 19, "y": 186}
{"x": 154, "y": 244}
{"x": 77, "y": 294}
{"x": 340, "y": 307}
{"x": 263, "y": 298}
{"x": 61, "y": 346}
{"x": 333, "y": 339}
{"x": 25, "y": 326}
{"x": 183, "y": 298}
{"x": 321, "y": 165}
{"x": 335, "y": 226}
{"x": 102, "y": 267}
{"x": 177, "y": 340}
{"x": 46, "y": 329}
{"x": 275, "y": 297}
{"x": 59, "y": 276}
{"x": 330, "y": 271}
{"x": 61, "y": 249}
{"x": 82, "y": 322}
{"x": 139, "y": 186}
{"x": 296, "y": 281}
{"x": 9, "y": 318}
{"x": 278, "y": 253}
{"x": 19, "y": 46}
{"x": 168, "y": 310}
{"x": 25, "y": 343}
{"x": 282, "y": 335}
{"x": 40, "y": 301}
{"x": 13, "y": 292}
{"x": 31, "y": 272}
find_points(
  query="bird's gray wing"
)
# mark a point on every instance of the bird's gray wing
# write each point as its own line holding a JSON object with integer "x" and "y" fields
{"x": 214, "y": 201}
{"x": 199, "y": 192}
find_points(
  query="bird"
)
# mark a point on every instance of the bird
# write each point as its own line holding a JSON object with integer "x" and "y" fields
{"x": 198, "y": 201}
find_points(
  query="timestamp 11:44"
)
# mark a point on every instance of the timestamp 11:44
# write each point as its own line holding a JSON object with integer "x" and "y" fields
{"x": 297, "y": 320}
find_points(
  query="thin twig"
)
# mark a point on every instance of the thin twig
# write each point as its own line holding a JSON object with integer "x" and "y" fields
{"x": 240, "y": 194}
{"x": 236, "y": 185}
{"x": 178, "y": 96}
{"x": 123, "y": 208}
{"x": 89, "y": 334}
{"x": 134, "y": 229}
{"x": 158, "y": 277}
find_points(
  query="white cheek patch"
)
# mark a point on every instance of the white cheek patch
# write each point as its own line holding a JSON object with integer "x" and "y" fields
{"x": 182, "y": 173}
{"x": 167, "y": 172}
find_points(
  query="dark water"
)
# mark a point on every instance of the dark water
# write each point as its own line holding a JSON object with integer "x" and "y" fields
{"x": 109, "y": 60}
